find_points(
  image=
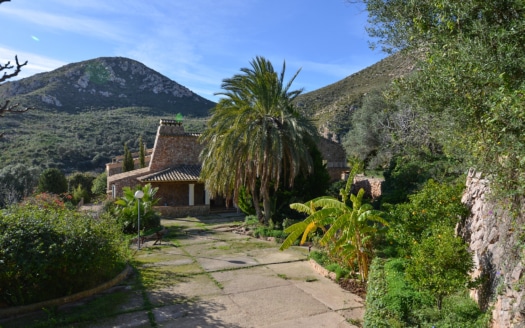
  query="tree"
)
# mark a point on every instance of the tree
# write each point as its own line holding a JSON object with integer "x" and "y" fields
{"x": 17, "y": 182}
{"x": 471, "y": 72}
{"x": 440, "y": 264}
{"x": 80, "y": 185}
{"x": 142, "y": 153}
{"x": 127, "y": 163}
{"x": 52, "y": 180}
{"x": 255, "y": 137}
{"x": 100, "y": 184}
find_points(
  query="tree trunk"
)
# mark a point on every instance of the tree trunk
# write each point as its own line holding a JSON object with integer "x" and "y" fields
{"x": 267, "y": 206}
{"x": 255, "y": 200}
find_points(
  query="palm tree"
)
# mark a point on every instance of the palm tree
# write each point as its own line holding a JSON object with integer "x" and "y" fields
{"x": 255, "y": 137}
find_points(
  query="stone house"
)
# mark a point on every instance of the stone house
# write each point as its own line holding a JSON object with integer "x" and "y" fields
{"x": 174, "y": 167}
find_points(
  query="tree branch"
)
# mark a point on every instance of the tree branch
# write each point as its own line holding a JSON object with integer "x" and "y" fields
{"x": 12, "y": 109}
{"x": 9, "y": 66}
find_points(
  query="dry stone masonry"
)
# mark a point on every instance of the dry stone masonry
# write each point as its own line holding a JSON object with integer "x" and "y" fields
{"x": 498, "y": 250}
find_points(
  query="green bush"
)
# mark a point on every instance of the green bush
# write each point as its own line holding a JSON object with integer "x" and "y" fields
{"x": 99, "y": 186}
{"x": 126, "y": 209}
{"x": 440, "y": 264}
{"x": 392, "y": 301}
{"x": 48, "y": 251}
{"x": 435, "y": 204}
{"x": 52, "y": 180}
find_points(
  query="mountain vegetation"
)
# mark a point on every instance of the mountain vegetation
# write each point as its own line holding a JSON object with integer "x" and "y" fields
{"x": 84, "y": 113}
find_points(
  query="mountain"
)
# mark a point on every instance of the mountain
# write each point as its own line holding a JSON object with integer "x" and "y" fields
{"x": 85, "y": 112}
{"x": 102, "y": 83}
{"x": 331, "y": 107}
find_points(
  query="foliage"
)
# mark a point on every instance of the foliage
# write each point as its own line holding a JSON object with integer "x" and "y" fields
{"x": 80, "y": 185}
{"x": 255, "y": 137}
{"x": 52, "y": 180}
{"x": 127, "y": 163}
{"x": 471, "y": 72}
{"x": 369, "y": 138}
{"x": 81, "y": 194}
{"x": 17, "y": 181}
{"x": 392, "y": 301}
{"x": 49, "y": 251}
{"x": 142, "y": 153}
{"x": 263, "y": 231}
{"x": 251, "y": 220}
{"x": 350, "y": 229}
{"x": 440, "y": 264}
{"x": 100, "y": 184}
{"x": 436, "y": 204}
{"x": 127, "y": 209}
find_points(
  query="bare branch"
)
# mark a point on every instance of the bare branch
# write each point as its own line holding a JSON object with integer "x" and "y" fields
{"x": 4, "y": 1}
{"x": 13, "y": 108}
{"x": 9, "y": 66}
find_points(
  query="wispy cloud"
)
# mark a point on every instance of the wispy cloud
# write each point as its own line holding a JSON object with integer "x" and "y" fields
{"x": 35, "y": 63}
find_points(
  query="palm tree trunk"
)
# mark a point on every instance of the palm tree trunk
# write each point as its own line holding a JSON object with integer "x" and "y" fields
{"x": 267, "y": 207}
{"x": 255, "y": 200}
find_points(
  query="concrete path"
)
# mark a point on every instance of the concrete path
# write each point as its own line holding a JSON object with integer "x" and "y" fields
{"x": 207, "y": 276}
{"x": 237, "y": 281}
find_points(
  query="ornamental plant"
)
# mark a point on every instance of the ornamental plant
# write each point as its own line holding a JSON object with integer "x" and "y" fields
{"x": 350, "y": 227}
{"x": 127, "y": 212}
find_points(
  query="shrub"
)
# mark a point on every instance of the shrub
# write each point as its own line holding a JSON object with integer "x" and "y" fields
{"x": 52, "y": 180}
{"x": 440, "y": 264}
{"x": 127, "y": 211}
{"x": 390, "y": 299}
{"x": 49, "y": 251}
{"x": 435, "y": 204}
{"x": 100, "y": 184}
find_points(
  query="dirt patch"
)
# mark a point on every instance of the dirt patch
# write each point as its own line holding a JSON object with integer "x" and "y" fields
{"x": 354, "y": 286}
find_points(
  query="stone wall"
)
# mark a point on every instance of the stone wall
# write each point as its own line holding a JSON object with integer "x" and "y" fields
{"x": 334, "y": 156}
{"x": 498, "y": 252}
{"x": 177, "y": 193}
{"x": 126, "y": 179}
{"x": 174, "y": 147}
{"x": 182, "y": 211}
{"x": 372, "y": 186}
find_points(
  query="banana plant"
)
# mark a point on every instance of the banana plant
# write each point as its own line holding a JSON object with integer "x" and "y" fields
{"x": 350, "y": 231}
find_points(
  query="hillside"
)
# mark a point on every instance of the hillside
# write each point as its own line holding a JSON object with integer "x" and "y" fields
{"x": 333, "y": 105}
{"x": 85, "y": 112}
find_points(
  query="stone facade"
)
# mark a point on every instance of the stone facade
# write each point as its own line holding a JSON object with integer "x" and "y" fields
{"x": 372, "y": 186}
{"x": 173, "y": 148}
{"x": 334, "y": 156}
{"x": 498, "y": 253}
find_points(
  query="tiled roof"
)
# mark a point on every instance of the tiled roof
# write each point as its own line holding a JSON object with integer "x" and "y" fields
{"x": 177, "y": 173}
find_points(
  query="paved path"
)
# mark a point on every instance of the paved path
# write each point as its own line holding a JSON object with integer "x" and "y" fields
{"x": 212, "y": 277}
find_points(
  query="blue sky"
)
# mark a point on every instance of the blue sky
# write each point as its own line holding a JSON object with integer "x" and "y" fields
{"x": 196, "y": 43}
